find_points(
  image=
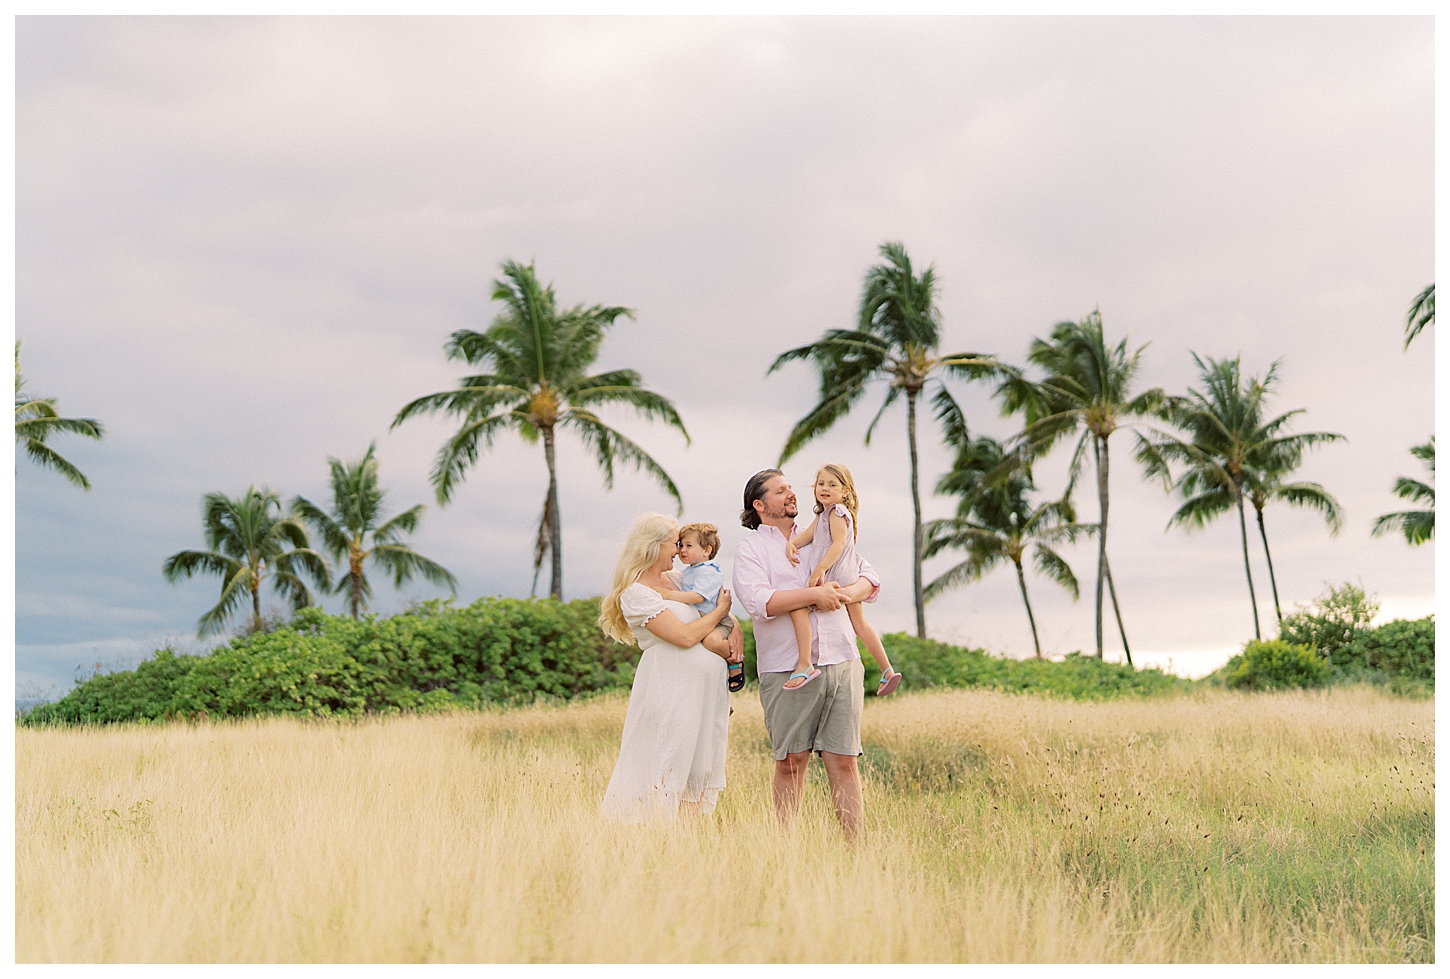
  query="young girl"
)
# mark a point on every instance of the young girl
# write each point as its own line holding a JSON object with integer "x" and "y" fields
{"x": 835, "y": 495}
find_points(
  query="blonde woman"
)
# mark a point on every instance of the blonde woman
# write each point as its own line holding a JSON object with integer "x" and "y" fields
{"x": 672, "y": 752}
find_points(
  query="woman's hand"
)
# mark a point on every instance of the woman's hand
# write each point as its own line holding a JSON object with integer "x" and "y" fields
{"x": 737, "y": 647}
{"x": 791, "y": 553}
{"x": 686, "y": 634}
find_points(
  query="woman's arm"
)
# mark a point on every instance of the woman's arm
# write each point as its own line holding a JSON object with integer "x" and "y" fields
{"x": 686, "y": 634}
{"x": 833, "y": 553}
{"x": 685, "y": 597}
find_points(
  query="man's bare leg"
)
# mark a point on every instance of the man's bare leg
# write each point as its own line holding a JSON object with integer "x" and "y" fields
{"x": 790, "y": 783}
{"x": 845, "y": 778}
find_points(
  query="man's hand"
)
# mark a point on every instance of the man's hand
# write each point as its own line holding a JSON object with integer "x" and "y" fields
{"x": 828, "y": 597}
{"x": 737, "y": 647}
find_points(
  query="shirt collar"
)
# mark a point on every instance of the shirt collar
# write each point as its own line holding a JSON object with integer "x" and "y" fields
{"x": 768, "y": 529}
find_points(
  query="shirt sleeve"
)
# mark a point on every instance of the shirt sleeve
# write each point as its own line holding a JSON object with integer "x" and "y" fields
{"x": 640, "y": 604}
{"x": 751, "y": 581}
{"x": 869, "y": 573}
{"x": 706, "y": 581}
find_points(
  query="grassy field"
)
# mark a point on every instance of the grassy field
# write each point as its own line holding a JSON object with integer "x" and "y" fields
{"x": 1213, "y": 827}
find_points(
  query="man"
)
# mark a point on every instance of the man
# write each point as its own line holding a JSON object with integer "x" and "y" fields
{"x": 825, "y": 714}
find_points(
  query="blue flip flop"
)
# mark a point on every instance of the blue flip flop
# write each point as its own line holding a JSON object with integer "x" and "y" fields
{"x": 890, "y": 680}
{"x": 809, "y": 677}
{"x": 736, "y": 677}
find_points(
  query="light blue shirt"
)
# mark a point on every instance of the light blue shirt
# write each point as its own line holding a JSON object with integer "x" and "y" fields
{"x": 704, "y": 579}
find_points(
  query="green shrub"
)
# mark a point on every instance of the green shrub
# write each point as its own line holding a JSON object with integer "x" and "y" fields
{"x": 1332, "y": 621}
{"x": 436, "y": 656}
{"x": 1402, "y": 648}
{"x": 1275, "y": 665}
{"x": 926, "y": 663}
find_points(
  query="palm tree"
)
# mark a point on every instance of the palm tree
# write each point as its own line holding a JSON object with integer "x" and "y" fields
{"x": 897, "y": 333}
{"x": 36, "y": 419}
{"x": 357, "y": 504}
{"x": 1265, "y": 482}
{"x": 250, "y": 541}
{"x": 1087, "y": 387}
{"x": 1228, "y": 443}
{"x": 1417, "y": 525}
{"x": 995, "y": 522}
{"x": 1421, "y": 314}
{"x": 536, "y": 356}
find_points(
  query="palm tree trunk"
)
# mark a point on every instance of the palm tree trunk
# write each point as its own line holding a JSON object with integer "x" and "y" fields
{"x": 354, "y": 585}
{"x": 916, "y": 510}
{"x": 1113, "y": 594}
{"x": 1248, "y": 573}
{"x": 1273, "y": 585}
{"x": 1100, "y": 460}
{"x": 1022, "y": 583}
{"x": 257, "y": 601}
{"x": 556, "y": 560}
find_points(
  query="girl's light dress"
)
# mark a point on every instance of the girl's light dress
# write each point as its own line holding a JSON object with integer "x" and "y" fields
{"x": 848, "y": 566}
{"x": 675, "y": 733}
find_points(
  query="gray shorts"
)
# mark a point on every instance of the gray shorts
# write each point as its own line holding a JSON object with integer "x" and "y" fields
{"x": 825, "y": 715}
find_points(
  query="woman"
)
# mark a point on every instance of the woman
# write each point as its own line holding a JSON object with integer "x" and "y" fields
{"x": 672, "y": 754}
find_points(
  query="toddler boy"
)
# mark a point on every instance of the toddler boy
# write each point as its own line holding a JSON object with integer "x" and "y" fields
{"x": 701, "y": 581}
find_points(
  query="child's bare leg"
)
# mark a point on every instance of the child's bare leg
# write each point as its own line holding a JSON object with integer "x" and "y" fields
{"x": 800, "y": 619}
{"x": 868, "y": 634}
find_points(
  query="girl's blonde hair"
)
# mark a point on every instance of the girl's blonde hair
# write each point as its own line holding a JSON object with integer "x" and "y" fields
{"x": 641, "y": 549}
{"x": 843, "y": 476}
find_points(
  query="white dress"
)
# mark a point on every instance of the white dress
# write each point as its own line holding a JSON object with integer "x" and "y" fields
{"x": 673, "y": 747}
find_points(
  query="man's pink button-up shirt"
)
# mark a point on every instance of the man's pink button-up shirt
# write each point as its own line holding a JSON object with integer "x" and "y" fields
{"x": 760, "y": 570}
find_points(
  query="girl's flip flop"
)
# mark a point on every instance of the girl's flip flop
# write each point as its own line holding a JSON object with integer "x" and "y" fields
{"x": 809, "y": 677}
{"x": 736, "y": 679}
{"x": 890, "y": 680}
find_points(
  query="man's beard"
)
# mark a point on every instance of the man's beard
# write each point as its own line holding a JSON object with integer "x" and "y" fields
{"x": 786, "y": 510}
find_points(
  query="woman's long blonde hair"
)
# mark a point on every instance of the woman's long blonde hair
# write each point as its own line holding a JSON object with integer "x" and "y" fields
{"x": 641, "y": 549}
{"x": 843, "y": 476}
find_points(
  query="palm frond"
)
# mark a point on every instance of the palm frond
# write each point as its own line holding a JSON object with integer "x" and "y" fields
{"x": 1421, "y": 313}
{"x": 1418, "y": 525}
{"x": 235, "y": 590}
{"x": 404, "y": 562}
{"x": 1050, "y": 565}
{"x": 404, "y": 523}
{"x": 334, "y": 539}
{"x": 609, "y": 444}
{"x": 1311, "y": 496}
{"x": 47, "y": 458}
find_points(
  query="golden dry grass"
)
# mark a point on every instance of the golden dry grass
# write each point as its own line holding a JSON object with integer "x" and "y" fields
{"x": 1221, "y": 827}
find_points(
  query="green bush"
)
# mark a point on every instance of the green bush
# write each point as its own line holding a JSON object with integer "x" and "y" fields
{"x": 1275, "y": 665}
{"x": 1402, "y": 648}
{"x": 926, "y": 663}
{"x": 1332, "y": 621}
{"x": 436, "y": 656}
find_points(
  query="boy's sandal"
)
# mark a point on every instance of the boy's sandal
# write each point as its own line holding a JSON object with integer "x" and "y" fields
{"x": 736, "y": 675}
{"x": 890, "y": 680}
{"x": 809, "y": 677}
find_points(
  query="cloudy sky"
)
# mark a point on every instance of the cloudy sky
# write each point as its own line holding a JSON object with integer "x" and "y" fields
{"x": 242, "y": 243}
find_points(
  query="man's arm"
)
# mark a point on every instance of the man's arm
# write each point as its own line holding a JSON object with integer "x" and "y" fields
{"x": 761, "y": 601}
{"x": 866, "y": 588}
{"x": 827, "y": 598}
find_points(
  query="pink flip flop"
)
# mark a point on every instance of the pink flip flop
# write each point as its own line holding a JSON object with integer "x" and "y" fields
{"x": 890, "y": 680}
{"x": 809, "y": 677}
